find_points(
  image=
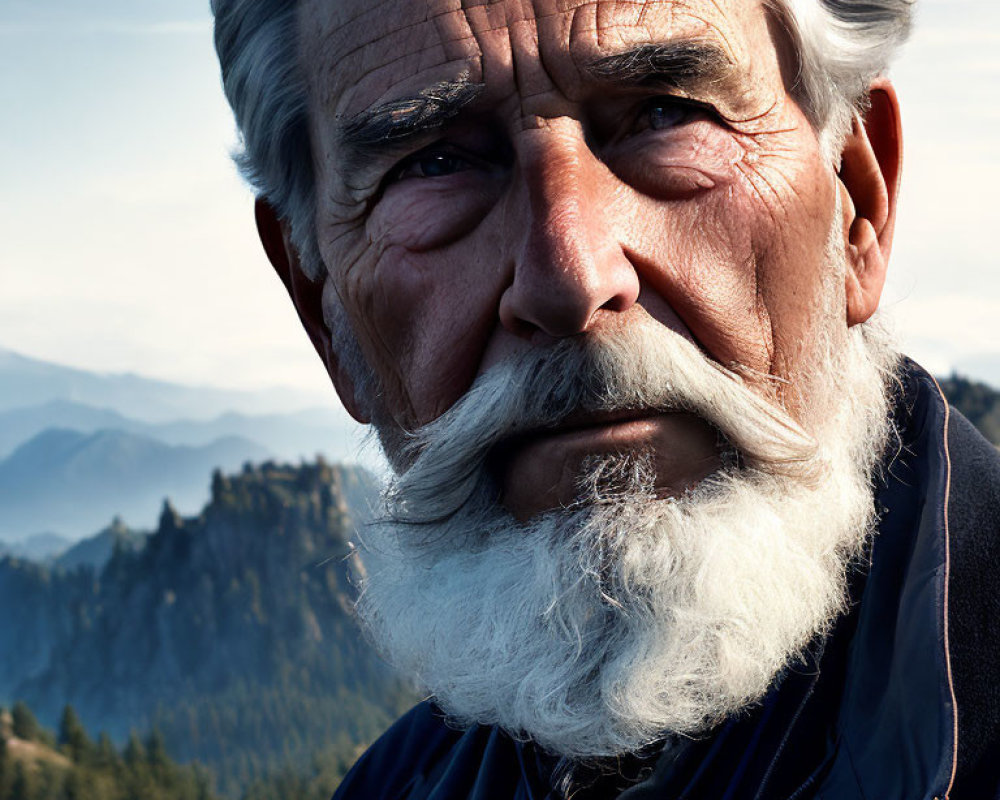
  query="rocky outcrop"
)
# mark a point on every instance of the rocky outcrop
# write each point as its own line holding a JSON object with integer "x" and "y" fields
{"x": 230, "y": 630}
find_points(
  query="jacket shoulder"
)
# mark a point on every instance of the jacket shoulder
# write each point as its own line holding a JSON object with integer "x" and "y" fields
{"x": 974, "y": 602}
{"x": 973, "y": 519}
{"x": 421, "y": 756}
{"x": 975, "y": 479}
{"x": 411, "y": 748}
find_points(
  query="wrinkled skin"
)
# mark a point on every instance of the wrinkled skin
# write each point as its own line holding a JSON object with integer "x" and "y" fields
{"x": 562, "y": 203}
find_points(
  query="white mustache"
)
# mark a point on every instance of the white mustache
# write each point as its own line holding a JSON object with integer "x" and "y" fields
{"x": 643, "y": 366}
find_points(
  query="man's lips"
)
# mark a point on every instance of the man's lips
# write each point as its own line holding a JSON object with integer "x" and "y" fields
{"x": 593, "y": 419}
{"x": 540, "y": 469}
{"x": 582, "y": 422}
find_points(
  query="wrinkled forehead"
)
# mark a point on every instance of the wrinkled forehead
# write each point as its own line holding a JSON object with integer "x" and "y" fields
{"x": 359, "y": 53}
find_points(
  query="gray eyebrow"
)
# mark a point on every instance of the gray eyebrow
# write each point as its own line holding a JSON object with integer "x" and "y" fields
{"x": 392, "y": 125}
{"x": 680, "y": 65}
{"x": 389, "y": 127}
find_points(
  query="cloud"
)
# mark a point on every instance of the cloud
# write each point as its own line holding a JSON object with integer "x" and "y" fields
{"x": 171, "y": 28}
{"x": 964, "y": 324}
{"x": 958, "y": 37}
{"x": 113, "y": 27}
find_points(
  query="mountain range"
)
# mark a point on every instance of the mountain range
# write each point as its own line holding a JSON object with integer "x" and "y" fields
{"x": 71, "y": 482}
{"x": 26, "y": 381}
{"x": 78, "y": 448}
{"x": 40, "y": 547}
{"x": 295, "y": 434}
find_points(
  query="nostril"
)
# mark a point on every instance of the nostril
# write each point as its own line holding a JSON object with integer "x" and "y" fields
{"x": 516, "y": 325}
{"x": 539, "y": 317}
{"x": 623, "y": 300}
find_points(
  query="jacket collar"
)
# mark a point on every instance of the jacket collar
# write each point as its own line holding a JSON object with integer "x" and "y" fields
{"x": 897, "y": 728}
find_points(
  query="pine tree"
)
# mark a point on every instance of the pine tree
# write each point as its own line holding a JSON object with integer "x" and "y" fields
{"x": 73, "y": 736}
{"x": 135, "y": 753}
{"x": 75, "y": 786}
{"x": 22, "y": 787}
{"x": 25, "y": 725}
{"x": 4, "y": 765}
{"x": 156, "y": 753}
{"x": 105, "y": 755}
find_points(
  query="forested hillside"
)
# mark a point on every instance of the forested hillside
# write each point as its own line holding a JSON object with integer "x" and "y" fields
{"x": 72, "y": 764}
{"x": 36, "y": 765}
{"x": 230, "y": 632}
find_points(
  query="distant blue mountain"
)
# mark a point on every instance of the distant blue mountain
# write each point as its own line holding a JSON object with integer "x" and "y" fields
{"x": 40, "y": 547}
{"x": 73, "y": 483}
{"x": 18, "y": 425}
{"x": 26, "y": 382}
{"x": 300, "y": 434}
{"x": 77, "y": 447}
{"x": 96, "y": 550}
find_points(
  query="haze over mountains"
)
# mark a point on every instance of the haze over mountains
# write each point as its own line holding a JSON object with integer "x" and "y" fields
{"x": 78, "y": 448}
{"x": 73, "y": 483}
{"x": 28, "y": 381}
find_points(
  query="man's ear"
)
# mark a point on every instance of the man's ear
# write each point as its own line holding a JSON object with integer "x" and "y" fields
{"x": 307, "y": 297}
{"x": 870, "y": 168}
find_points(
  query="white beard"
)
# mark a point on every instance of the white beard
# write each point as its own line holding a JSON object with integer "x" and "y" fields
{"x": 597, "y": 629}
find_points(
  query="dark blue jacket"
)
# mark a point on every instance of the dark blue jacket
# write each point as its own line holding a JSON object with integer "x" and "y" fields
{"x": 900, "y": 702}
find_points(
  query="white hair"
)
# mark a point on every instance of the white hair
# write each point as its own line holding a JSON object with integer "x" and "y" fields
{"x": 598, "y": 628}
{"x": 841, "y": 45}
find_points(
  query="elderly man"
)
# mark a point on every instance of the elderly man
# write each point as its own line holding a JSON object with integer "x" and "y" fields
{"x": 671, "y": 517}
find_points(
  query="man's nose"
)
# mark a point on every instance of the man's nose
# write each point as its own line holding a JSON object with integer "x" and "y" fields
{"x": 569, "y": 263}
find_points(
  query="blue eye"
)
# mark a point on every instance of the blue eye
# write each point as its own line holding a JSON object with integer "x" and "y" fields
{"x": 431, "y": 165}
{"x": 665, "y": 114}
{"x": 439, "y": 165}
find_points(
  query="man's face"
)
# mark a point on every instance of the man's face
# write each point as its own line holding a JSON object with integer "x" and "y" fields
{"x": 496, "y": 176}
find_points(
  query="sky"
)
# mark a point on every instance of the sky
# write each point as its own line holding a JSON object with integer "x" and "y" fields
{"x": 127, "y": 240}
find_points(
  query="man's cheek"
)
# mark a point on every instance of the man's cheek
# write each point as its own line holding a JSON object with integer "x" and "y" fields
{"x": 706, "y": 269}
{"x": 793, "y": 248}
{"x": 431, "y": 314}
